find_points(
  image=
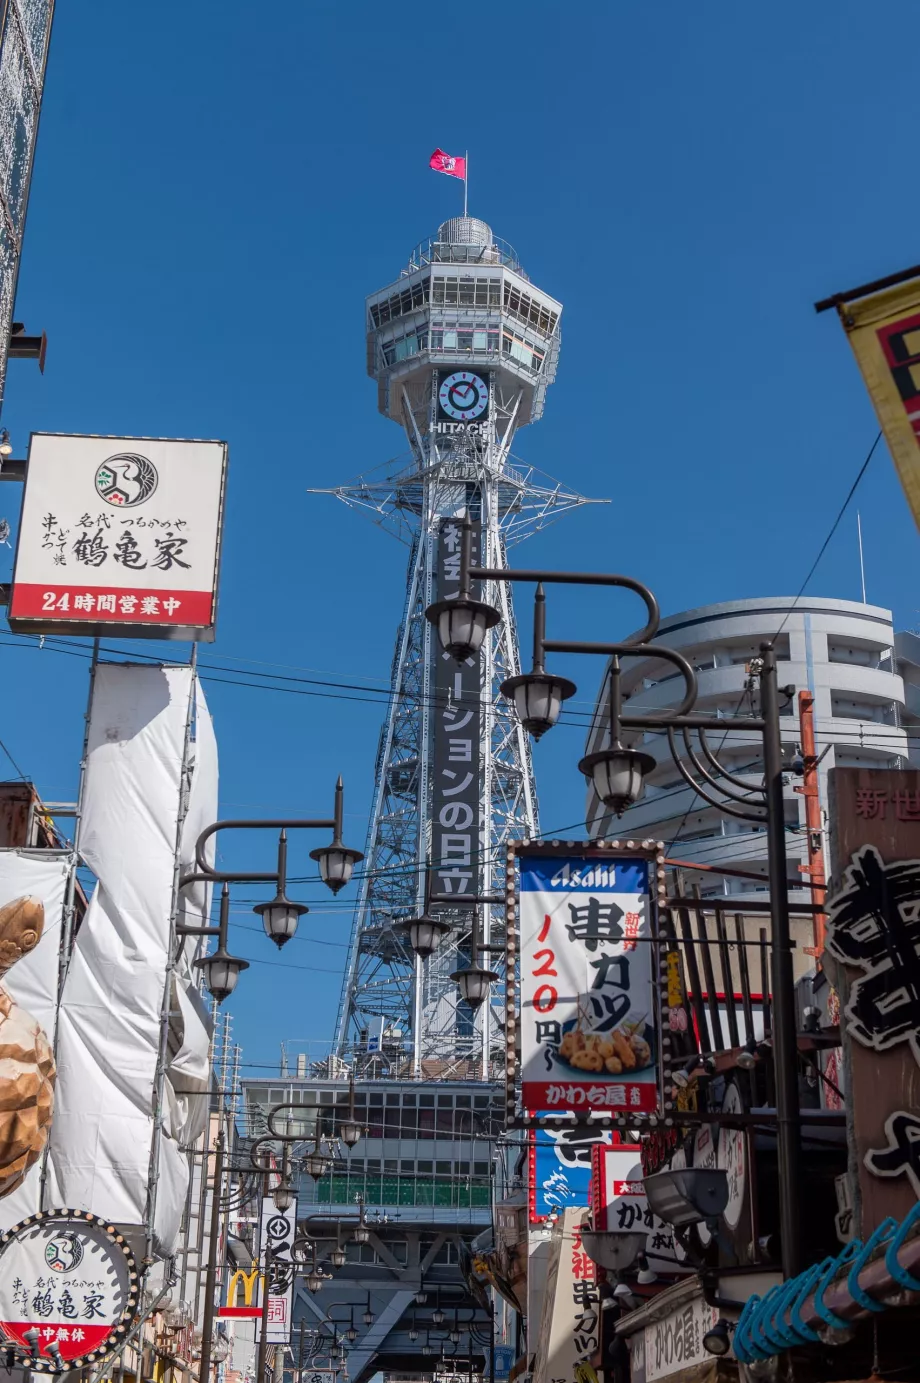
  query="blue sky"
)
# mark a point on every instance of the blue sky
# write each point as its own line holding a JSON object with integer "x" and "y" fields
{"x": 217, "y": 187}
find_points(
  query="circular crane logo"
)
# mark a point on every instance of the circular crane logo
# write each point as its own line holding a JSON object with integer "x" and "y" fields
{"x": 126, "y": 480}
{"x": 64, "y": 1252}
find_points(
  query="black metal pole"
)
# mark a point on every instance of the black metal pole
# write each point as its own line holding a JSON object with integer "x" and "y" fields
{"x": 210, "y": 1281}
{"x": 539, "y": 628}
{"x": 785, "y": 1052}
{"x": 262, "y": 1360}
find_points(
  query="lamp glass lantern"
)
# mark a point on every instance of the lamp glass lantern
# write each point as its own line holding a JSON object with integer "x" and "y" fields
{"x": 437, "y": 1316}
{"x": 537, "y": 698}
{"x": 336, "y": 864}
{"x": 351, "y": 1334}
{"x": 474, "y": 984}
{"x": 361, "y": 1234}
{"x": 337, "y": 1258}
{"x": 350, "y": 1133}
{"x": 617, "y": 775}
{"x": 221, "y": 972}
{"x": 424, "y": 933}
{"x": 314, "y": 1281}
{"x": 462, "y": 625}
{"x": 284, "y": 1196}
{"x": 280, "y": 917}
{"x": 368, "y": 1317}
{"x": 316, "y": 1164}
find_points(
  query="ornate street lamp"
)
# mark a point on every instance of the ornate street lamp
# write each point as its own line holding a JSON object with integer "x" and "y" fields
{"x": 220, "y": 970}
{"x": 424, "y": 933}
{"x": 462, "y": 623}
{"x": 538, "y": 695}
{"x": 317, "y": 1163}
{"x": 350, "y": 1130}
{"x": 336, "y": 861}
{"x": 280, "y": 916}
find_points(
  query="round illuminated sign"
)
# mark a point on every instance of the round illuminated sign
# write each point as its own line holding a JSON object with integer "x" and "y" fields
{"x": 464, "y": 396}
{"x": 72, "y": 1277}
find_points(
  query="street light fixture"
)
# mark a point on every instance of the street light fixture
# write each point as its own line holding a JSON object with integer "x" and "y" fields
{"x": 424, "y": 933}
{"x": 687, "y": 1195}
{"x": 220, "y": 969}
{"x": 336, "y": 861}
{"x": 350, "y": 1130}
{"x": 317, "y": 1163}
{"x": 279, "y": 916}
{"x": 462, "y": 623}
{"x": 618, "y": 775}
{"x": 538, "y": 695}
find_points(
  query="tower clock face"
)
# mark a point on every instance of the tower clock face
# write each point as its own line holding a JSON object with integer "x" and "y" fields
{"x": 463, "y": 396}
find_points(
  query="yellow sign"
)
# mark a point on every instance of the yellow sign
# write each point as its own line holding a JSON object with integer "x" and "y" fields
{"x": 248, "y": 1281}
{"x": 884, "y": 331}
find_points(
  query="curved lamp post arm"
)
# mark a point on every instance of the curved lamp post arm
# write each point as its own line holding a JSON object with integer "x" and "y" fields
{"x": 749, "y": 800}
{"x": 720, "y": 768}
{"x": 265, "y": 877}
{"x": 698, "y": 788}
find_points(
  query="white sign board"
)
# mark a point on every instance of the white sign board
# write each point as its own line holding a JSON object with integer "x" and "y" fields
{"x": 119, "y": 534}
{"x": 588, "y": 997}
{"x": 676, "y": 1342}
{"x": 71, "y": 1277}
{"x": 277, "y": 1237}
{"x": 623, "y": 1207}
{"x": 570, "y": 1326}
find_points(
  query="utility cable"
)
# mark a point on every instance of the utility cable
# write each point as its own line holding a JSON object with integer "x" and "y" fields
{"x": 834, "y": 526}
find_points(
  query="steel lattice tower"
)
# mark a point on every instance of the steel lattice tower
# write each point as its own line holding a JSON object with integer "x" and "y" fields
{"x": 463, "y": 348}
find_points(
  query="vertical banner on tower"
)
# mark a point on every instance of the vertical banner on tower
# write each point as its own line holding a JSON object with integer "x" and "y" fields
{"x": 884, "y": 332}
{"x": 456, "y": 827}
{"x": 590, "y": 1000}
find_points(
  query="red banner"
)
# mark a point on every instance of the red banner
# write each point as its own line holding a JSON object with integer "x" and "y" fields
{"x": 135, "y": 605}
{"x": 451, "y": 164}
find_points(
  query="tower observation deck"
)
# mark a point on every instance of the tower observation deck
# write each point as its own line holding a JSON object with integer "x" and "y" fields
{"x": 463, "y": 348}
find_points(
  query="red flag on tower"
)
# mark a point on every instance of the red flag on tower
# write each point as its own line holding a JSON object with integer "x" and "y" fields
{"x": 452, "y": 165}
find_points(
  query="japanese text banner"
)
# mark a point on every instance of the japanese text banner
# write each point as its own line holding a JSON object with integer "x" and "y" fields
{"x": 588, "y": 998}
{"x": 884, "y": 332}
{"x": 119, "y": 531}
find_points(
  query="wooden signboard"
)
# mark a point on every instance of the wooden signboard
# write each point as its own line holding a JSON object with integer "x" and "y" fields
{"x": 872, "y": 959}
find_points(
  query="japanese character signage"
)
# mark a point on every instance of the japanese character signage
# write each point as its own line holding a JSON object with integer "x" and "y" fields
{"x": 569, "y": 1333}
{"x": 277, "y": 1237}
{"x": 621, "y": 1206}
{"x": 589, "y": 997}
{"x": 456, "y": 818}
{"x": 884, "y": 332}
{"x": 871, "y": 955}
{"x": 560, "y": 1168}
{"x": 71, "y": 1277}
{"x": 675, "y": 1342}
{"x": 119, "y": 534}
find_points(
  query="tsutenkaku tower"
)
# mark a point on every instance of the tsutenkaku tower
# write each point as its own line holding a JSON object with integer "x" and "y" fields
{"x": 463, "y": 348}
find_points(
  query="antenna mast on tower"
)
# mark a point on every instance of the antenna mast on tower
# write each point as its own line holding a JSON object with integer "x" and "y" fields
{"x": 463, "y": 348}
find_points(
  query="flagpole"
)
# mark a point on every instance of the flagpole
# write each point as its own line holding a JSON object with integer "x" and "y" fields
{"x": 466, "y": 174}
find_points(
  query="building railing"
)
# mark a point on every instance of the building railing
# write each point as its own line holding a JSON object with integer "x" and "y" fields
{"x": 443, "y": 252}
{"x": 439, "y": 1192}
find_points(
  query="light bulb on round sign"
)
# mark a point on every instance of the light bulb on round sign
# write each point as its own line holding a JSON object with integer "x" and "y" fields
{"x": 72, "y": 1277}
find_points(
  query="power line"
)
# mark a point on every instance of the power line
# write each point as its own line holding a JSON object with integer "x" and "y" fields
{"x": 840, "y": 513}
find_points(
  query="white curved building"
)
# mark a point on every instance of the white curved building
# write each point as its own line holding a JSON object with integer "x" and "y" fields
{"x": 840, "y": 650}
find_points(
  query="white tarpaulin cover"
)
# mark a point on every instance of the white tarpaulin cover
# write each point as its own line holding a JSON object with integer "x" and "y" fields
{"x": 33, "y": 981}
{"x": 109, "y": 1026}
